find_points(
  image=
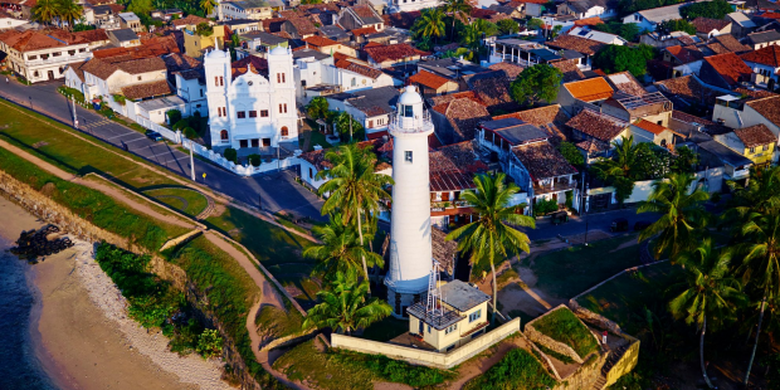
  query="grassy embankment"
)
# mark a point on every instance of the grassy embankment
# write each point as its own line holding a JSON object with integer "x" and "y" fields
{"x": 563, "y": 326}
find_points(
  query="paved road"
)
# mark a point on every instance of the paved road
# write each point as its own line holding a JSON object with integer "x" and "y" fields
{"x": 598, "y": 221}
{"x": 278, "y": 191}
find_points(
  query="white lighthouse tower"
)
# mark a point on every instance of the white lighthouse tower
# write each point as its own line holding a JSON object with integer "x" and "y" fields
{"x": 410, "y": 235}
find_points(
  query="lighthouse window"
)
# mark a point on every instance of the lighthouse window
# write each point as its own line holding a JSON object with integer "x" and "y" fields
{"x": 408, "y": 111}
{"x": 408, "y": 156}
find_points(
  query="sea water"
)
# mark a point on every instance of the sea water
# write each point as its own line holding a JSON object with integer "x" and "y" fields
{"x": 20, "y": 367}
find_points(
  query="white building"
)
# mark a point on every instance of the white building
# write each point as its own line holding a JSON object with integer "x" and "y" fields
{"x": 411, "y": 5}
{"x": 8, "y": 21}
{"x": 649, "y": 19}
{"x": 252, "y": 101}
{"x": 598, "y": 36}
{"x": 247, "y": 9}
{"x": 39, "y": 56}
{"x": 410, "y": 235}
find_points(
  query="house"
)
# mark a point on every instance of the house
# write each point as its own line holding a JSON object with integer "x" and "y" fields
{"x": 765, "y": 63}
{"x": 456, "y": 116}
{"x": 314, "y": 162}
{"x": 104, "y": 16}
{"x": 521, "y": 52}
{"x": 741, "y": 24}
{"x": 328, "y": 46}
{"x": 320, "y": 74}
{"x": 370, "y": 107}
{"x": 646, "y": 131}
{"x": 251, "y": 101}
{"x": 197, "y": 42}
{"x": 190, "y": 22}
{"x": 131, "y": 21}
{"x": 334, "y": 32}
{"x": 596, "y": 130}
{"x": 758, "y": 40}
{"x": 124, "y": 37}
{"x": 585, "y": 46}
{"x": 653, "y": 107}
{"x": 725, "y": 71}
{"x": 385, "y": 56}
{"x": 756, "y": 143}
{"x": 738, "y": 112}
{"x": 452, "y": 170}
{"x": 736, "y": 166}
{"x": 580, "y": 9}
{"x": 43, "y": 56}
{"x": 248, "y": 9}
{"x": 408, "y": 6}
{"x": 457, "y": 70}
{"x": 688, "y": 93}
{"x": 625, "y": 82}
{"x": 241, "y": 26}
{"x": 21, "y": 9}
{"x": 577, "y": 95}
{"x": 598, "y": 36}
{"x": 360, "y": 16}
{"x": 707, "y": 28}
{"x": 571, "y": 72}
{"x": 106, "y": 77}
{"x": 298, "y": 28}
{"x": 649, "y": 19}
{"x": 186, "y": 74}
{"x": 681, "y": 55}
{"x": 722, "y": 44}
{"x": 552, "y": 119}
{"x": 258, "y": 43}
{"x": 662, "y": 39}
{"x": 430, "y": 84}
{"x": 167, "y": 14}
{"x": 527, "y": 156}
{"x": 8, "y": 21}
{"x": 460, "y": 317}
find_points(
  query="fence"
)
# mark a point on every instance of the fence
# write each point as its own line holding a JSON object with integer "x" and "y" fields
{"x": 428, "y": 358}
{"x": 241, "y": 170}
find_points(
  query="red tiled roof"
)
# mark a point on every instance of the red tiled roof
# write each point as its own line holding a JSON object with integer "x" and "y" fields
{"x": 578, "y": 44}
{"x": 726, "y": 43}
{"x": 571, "y": 72}
{"x": 147, "y": 90}
{"x": 153, "y": 47}
{"x": 597, "y": 125}
{"x": 363, "y": 31}
{"x": 730, "y": 67}
{"x": 303, "y": 26}
{"x": 403, "y": 20}
{"x": 543, "y": 161}
{"x": 588, "y": 21}
{"x": 687, "y": 87}
{"x": 590, "y": 90}
{"x": 428, "y": 79}
{"x": 193, "y": 20}
{"x": 394, "y": 52}
{"x": 346, "y": 62}
{"x": 705, "y": 25}
{"x": 685, "y": 54}
{"x": 511, "y": 70}
{"x": 649, "y": 126}
{"x": 769, "y": 55}
{"x": 463, "y": 113}
{"x": 768, "y": 107}
{"x": 318, "y": 41}
{"x": 552, "y": 119}
{"x": 256, "y": 64}
{"x": 755, "y": 135}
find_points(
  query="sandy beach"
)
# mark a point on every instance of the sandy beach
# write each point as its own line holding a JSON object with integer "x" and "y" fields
{"x": 82, "y": 334}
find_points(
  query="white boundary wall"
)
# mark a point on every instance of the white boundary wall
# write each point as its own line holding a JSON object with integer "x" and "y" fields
{"x": 427, "y": 358}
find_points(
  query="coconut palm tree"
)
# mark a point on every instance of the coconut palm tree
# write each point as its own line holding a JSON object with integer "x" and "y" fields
{"x": 712, "y": 294}
{"x": 430, "y": 23}
{"x": 68, "y": 11}
{"x": 457, "y": 8}
{"x": 44, "y": 11}
{"x": 340, "y": 249}
{"x": 344, "y": 307}
{"x": 208, "y": 6}
{"x": 761, "y": 195}
{"x": 355, "y": 189}
{"x": 682, "y": 214}
{"x": 492, "y": 236}
{"x": 620, "y": 170}
{"x": 761, "y": 264}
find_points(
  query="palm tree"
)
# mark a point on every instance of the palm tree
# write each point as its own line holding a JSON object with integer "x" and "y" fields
{"x": 431, "y": 23}
{"x": 355, "y": 189}
{"x": 68, "y": 11}
{"x": 761, "y": 195}
{"x": 620, "y": 170}
{"x": 682, "y": 214}
{"x": 208, "y": 6}
{"x": 473, "y": 33}
{"x": 344, "y": 307}
{"x": 491, "y": 237}
{"x": 457, "y": 8}
{"x": 761, "y": 264}
{"x": 711, "y": 294}
{"x": 45, "y": 11}
{"x": 317, "y": 108}
{"x": 340, "y": 249}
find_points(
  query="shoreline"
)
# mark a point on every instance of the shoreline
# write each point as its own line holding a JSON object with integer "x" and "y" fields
{"x": 80, "y": 331}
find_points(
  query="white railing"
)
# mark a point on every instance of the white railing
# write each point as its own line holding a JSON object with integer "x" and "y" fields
{"x": 238, "y": 169}
{"x": 167, "y": 133}
{"x": 417, "y": 124}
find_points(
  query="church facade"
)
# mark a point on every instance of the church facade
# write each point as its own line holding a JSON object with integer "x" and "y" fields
{"x": 251, "y": 101}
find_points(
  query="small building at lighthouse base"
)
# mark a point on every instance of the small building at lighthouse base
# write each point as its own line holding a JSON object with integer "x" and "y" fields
{"x": 462, "y": 316}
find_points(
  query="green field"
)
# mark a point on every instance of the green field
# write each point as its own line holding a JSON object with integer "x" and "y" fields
{"x": 187, "y": 201}
{"x": 564, "y": 274}
{"x": 519, "y": 370}
{"x": 561, "y": 325}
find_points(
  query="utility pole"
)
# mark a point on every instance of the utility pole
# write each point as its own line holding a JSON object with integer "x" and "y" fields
{"x": 192, "y": 163}
{"x": 278, "y": 157}
{"x": 75, "y": 117}
{"x": 350, "y": 127}
{"x": 582, "y": 206}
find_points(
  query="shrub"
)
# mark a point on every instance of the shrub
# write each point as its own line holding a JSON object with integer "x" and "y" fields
{"x": 120, "y": 99}
{"x": 209, "y": 343}
{"x": 543, "y": 207}
{"x": 174, "y": 116}
{"x": 75, "y": 93}
{"x": 255, "y": 160}
{"x": 190, "y": 133}
{"x": 394, "y": 370}
{"x": 231, "y": 155}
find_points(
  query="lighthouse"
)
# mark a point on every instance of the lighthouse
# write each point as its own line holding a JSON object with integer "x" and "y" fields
{"x": 410, "y": 231}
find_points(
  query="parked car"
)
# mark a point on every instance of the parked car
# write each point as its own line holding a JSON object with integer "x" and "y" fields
{"x": 153, "y": 135}
{"x": 559, "y": 217}
{"x": 641, "y": 225}
{"x": 619, "y": 225}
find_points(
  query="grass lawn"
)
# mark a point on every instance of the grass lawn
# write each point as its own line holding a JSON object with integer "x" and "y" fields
{"x": 561, "y": 325}
{"x": 518, "y": 370}
{"x": 305, "y": 362}
{"x": 317, "y": 138}
{"x": 187, "y": 201}
{"x": 622, "y": 299}
{"x": 62, "y": 146}
{"x": 276, "y": 323}
{"x": 566, "y": 273}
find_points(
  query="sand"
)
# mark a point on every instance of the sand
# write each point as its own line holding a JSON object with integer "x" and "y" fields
{"x": 84, "y": 337}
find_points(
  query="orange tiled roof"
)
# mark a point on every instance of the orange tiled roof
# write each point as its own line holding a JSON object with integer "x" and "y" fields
{"x": 428, "y": 79}
{"x": 769, "y": 55}
{"x": 649, "y": 126}
{"x": 364, "y": 31}
{"x": 590, "y": 90}
{"x": 588, "y": 21}
{"x": 319, "y": 41}
{"x": 730, "y": 67}
{"x": 755, "y": 135}
{"x": 394, "y": 52}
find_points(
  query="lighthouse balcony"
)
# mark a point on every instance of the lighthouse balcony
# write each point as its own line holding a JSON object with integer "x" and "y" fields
{"x": 419, "y": 123}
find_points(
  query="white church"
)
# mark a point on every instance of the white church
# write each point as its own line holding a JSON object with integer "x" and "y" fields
{"x": 251, "y": 101}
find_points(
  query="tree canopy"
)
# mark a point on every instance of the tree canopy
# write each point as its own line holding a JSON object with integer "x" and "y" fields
{"x": 683, "y": 25}
{"x": 613, "y": 59}
{"x": 627, "y": 31}
{"x": 507, "y": 26}
{"x": 536, "y": 84}
{"x": 717, "y": 9}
